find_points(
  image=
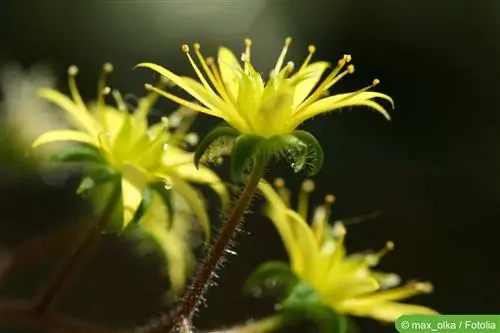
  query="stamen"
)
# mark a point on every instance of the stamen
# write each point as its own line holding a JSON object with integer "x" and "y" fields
{"x": 282, "y": 191}
{"x": 101, "y": 84}
{"x": 181, "y": 101}
{"x": 120, "y": 102}
{"x": 311, "y": 50}
{"x": 357, "y": 92}
{"x": 282, "y": 56}
{"x": 204, "y": 63}
{"x": 147, "y": 102}
{"x": 389, "y": 246}
{"x": 331, "y": 79}
{"x": 307, "y": 188}
{"x": 72, "y": 73}
{"x": 185, "y": 49}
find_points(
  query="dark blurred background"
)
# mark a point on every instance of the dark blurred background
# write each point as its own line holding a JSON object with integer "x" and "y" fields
{"x": 433, "y": 171}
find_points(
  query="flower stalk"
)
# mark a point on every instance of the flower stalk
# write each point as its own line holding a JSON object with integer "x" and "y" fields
{"x": 60, "y": 280}
{"x": 201, "y": 283}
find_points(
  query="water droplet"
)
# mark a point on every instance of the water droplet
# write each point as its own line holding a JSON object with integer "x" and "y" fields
{"x": 165, "y": 146}
{"x": 271, "y": 283}
{"x": 228, "y": 251}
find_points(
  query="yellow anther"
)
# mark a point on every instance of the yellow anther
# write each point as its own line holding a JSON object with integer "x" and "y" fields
{"x": 279, "y": 182}
{"x": 185, "y": 48}
{"x": 248, "y": 42}
{"x": 107, "y": 67}
{"x": 308, "y": 186}
{"x": 106, "y": 90}
{"x": 311, "y": 49}
{"x": 288, "y": 41}
{"x": 350, "y": 69}
{"x": 196, "y": 46}
{"x": 72, "y": 70}
{"x": 375, "y": 82}
{"x": 329, "y": 199}
{"x": 209, "y": 61}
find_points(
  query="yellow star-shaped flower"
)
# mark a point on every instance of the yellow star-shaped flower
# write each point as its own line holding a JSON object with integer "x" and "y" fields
{"x": 240, "y": 96}
{"x": 346, "y": 283}
{"x": 140, "y": 153}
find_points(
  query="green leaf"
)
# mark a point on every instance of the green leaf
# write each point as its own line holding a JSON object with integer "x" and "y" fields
{"x": 143, "y": 206}
{"x": 97, "y": 175}
{"x": 166, "y": 195}
{"x": 246, "y": 148}
{"x": 313, "y": 145}
{"x": 80, "y": 153}
{"x": 271, "y": 274}
{"x": 223, "y": 130}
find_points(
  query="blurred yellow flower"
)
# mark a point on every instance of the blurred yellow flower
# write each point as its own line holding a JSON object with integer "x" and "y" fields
{"x": 240, "y": 96}
{"x": 140, "y": 153}
{"x": 317, "y": 256}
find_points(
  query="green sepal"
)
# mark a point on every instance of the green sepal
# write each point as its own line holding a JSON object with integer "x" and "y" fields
{"x": 97, "y": 175}
{"x": 312, "y": 144}
{"x": 143, "y": 206}
{"x": 304, "y": 302}
{"x": 272, "y": 275}
{"x": 246, "y": 148}
{"x": 222, "y": 130}
{"x": 166, "y": 196}
{"x": 80, "y": 153}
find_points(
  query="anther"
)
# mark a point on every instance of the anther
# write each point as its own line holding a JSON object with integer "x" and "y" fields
{"x": 350, "y": 69}
{"x": 423, "y": 287}
{"x": 185, "y": 48}
{"x": 196, "y": 46}
{"x": 347, "y": 58}
{"x": 248, "y": 42}
{"x": 329, "y": 199}
{"x": 107, "y": 67}
{"x": 106, "y": 90}
{"x": 311, "y": 49}
{"x": 308, "y": 186}
{"x": 209, "y": 61}
{"x": 288, "y": 41}
{"x": 148, "y": 86}
{"x": 279, "y": 182}
{"x": 389, "y": 246}
{"x": 375, "y": 82}
{"x": 72, "y": 70}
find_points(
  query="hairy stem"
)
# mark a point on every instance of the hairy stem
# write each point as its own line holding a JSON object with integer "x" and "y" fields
{"x": 62, "y": 277}
{"x": 202, "y": 280}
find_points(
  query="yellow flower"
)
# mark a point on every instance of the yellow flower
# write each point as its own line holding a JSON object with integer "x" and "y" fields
{"x": 240, "y": 96}
{"x": 346, "y": 283}
{"x": 141, "y": 154}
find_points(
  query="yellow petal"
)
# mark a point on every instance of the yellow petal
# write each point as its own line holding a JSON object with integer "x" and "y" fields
{"x": 80, "y": 117}
{"x": 229, "y": 69}
{"x": 277, "y": 212}
{"x": 192, "y": 87}
{"x": 329, "y": 104}
{"x": 64, "y": 135}
{"x": 306, "y": 242}
{"x": 203, "y": 175}
{"x": 308, "y": 78}
{"x": 172, "y": 241}
{"x": 134, "y": 181}
{"x": 194, "y": 200}
{"x": 347, "y": 287}
{"x": 391, "y": 311}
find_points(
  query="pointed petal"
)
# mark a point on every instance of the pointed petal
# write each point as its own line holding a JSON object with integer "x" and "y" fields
{"x": 195, "y": 89}
{"x": 171, "y": 240}
{"x": 194, "y": 200}
{"x": 187, "y": 170}
{"x": 307, "y": 243}
{"x": 391, "y": 311}
{"x": 308, "y": 78}
{"x": 276, "y": 211}
{"x": 80, "y": 117}
{"x": 134, "y": 182}
{"x": 64, "y": 135}
{"x": 331, "y": 103}
{"x": 229, "y": 69}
